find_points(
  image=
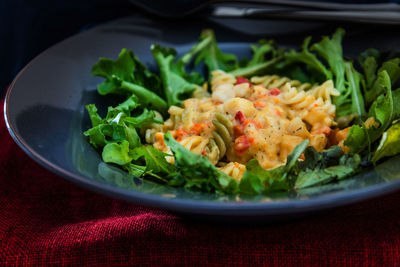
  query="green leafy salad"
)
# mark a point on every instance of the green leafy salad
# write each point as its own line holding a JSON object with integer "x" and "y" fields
{"x": 367, "y": 115}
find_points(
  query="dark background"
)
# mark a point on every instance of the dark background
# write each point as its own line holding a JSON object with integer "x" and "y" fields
{"x": 29, "y": 27}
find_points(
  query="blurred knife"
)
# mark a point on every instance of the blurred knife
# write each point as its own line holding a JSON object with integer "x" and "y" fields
{"x": 376, "y": 17}
{"x": 371, "y": 12}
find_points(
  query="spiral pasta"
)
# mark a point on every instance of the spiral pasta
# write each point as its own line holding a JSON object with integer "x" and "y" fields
{"x": 324, "y": 91}
{"x": 219, "y": 77}
{"x": 149, "y": 130}
{"x": 222, "y": 134}
{"x": 275, "y": 81}
{"x": 213, "y": 151}
{"x": 234, "y": 169}
{"x": 196, "y": 144}
{"x": 174, "y": 119}
{"x": 240, "y": 121}
{"x": 306, "y": 106}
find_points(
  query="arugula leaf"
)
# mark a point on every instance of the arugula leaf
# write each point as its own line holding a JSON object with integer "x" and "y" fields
{"x": 309, "y": 59}
{"x": 257, "y": 180}
{"x": 96, "y": 135}
{"x": 314, "y": 159}
{"x": 179, "y": 66}
{"x": 146, "y": 97}
{"x": 293, "y": 157}
{"x": 213, "y": 57}
{"x": 155, "y": 159}
{"x": 94, "y": 116}
{"x": 370, "y": 69}
{"x": 352, "y": 161}
{"x": 126, "y": 76}
{"x": 265, "y": 56}
{"x": 125, "y": 107}
{"x": 382, "y": 110}
{"x": 135, "y": 170}
{"x": 128, "y": 105}
{"x": 369, "y": 61}
{"x": 251, "y": 184}
{"x": 252, "y": 70}
{"x": 396, "y": 104}
{"x": 354, "y": 80}
{"x": 322, "y": 176}
{"x": 145, "y": 78}
{"x": 121, "y": 131}
{"x": 261, "y": 51}
{"x": 370, "y": 52}
{"x": 357, "y": 139}
{"x": 197, "y": 171}
{"x": 331, "y": 51}
{"x": 351, "y": 100}
{"x": 117, "y": 153}
{"x": 123, "y": 68}
{"x": 326, "y": 166}
{"x": 389, "y": 144}
{"x": 113, "y": 128}
{"x": 176, "y": 87}
{"x": 128, "y": 68}
{"x": 392, "y": 67}
{"x": 147, "y": 116}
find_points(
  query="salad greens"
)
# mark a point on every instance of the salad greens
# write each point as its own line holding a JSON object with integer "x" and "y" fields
{"x": 325, "y": 61}
{"x": 213, "y": 57}
{"x": 367, "y": 101}
{"x": 127, "y": 76}
{"x": 176, "y": 87}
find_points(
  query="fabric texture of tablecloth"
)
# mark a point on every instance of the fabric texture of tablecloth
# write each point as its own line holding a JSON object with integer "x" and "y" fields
{"x": 47, "y": 220}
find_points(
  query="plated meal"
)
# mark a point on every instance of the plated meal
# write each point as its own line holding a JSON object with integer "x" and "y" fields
{"x": 282, "y": 120}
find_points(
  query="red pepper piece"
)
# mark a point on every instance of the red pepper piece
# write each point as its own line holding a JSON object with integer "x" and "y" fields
{"x": 275, "y": 91}
{"x": 240, "y": 117}
{"x": 242, "y": 143}
{"x": 241, "y": 79}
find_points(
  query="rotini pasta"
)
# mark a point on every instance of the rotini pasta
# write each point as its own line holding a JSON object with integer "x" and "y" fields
{"x": 234, "y": 169}
{"x": 149, "y": 130}
{"x": 275, "y": 81}
{"x": 264, "y": 120}
{"x": 174, "y": 119}
{"x": 223, "y": 133}
{"x": 324, "y": 91}
{"x": 196, "y": 144}
{"x": 220, "y": 77}
{"x": 316, "y": 112}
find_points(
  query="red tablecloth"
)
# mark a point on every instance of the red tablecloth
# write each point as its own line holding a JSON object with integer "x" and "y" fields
{"x": 47, "y": 220}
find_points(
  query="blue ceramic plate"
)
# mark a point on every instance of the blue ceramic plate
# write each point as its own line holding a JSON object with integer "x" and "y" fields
{"x": 44, "y": 111}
